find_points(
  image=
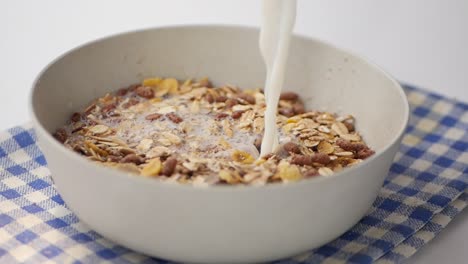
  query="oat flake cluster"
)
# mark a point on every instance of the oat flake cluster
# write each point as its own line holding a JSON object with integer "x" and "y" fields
{"x": 194, "y": 133}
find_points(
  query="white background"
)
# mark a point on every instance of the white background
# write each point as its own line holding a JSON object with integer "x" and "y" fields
{"x": 423, "y": 42}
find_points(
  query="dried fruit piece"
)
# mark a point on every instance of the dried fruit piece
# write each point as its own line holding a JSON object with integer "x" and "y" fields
{"x": 288, "y": 172}
{"x": 151, "y": 82}
{"x": 242, "y": 157}
{"x": 152, "y": 168}
{"x": 169, "y": 84}
{"x": 230, "y": 177}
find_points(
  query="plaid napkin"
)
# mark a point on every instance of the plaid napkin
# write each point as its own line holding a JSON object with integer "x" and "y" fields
{"x": 425, "y": 189}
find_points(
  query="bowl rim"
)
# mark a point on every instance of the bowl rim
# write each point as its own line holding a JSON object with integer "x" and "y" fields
{"x": 75, "y": 157}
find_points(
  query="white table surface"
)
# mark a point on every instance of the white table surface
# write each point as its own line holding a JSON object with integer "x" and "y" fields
{"x": 420, "y": 41}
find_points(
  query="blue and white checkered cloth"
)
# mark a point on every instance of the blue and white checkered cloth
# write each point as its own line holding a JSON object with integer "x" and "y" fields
{"x": 425, "y": 189}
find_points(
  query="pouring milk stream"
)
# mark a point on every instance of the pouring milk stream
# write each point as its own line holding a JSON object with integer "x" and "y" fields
{"x": 275, "y": 35}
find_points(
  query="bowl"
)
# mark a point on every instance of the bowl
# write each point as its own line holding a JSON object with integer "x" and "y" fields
{"x": 231, "y": 224}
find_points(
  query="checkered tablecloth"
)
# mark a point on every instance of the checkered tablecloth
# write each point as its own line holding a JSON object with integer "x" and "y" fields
{"x": 425, "y": 189}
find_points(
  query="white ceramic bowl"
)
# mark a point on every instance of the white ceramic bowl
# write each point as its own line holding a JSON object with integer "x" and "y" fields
{"x": 220, "y": 223}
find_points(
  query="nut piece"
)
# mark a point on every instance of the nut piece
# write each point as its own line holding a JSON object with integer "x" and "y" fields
{"x": 169, "y": 166}
{"x": 132, "y": 158}
{"x": 364, "y": 153}
{"x": 152, "y": 117}
{"x": 321, "y": 158}
{"x": 237, "y": 114}
{"x": 292, "y": 148}
{"x": 247, "y": 98}
{"x": 231, "y": 102}
{"x": 153, "y": 168}
{"x": 220, "y": 99}
{"x": 145, "y": 92}
{"x": 301, "y": 160}
{"x": 61, "y": 135}
{"x": 290, "y": 96}
{"x": 75, "y": 117}
{"x": 174, "y": 118}
{"x": 220, "y": 116}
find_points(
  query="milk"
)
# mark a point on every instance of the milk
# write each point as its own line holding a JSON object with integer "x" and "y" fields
{"x": 275, "y": 35}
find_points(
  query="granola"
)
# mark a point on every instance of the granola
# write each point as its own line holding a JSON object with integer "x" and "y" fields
{"x": 191, "y": 132}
